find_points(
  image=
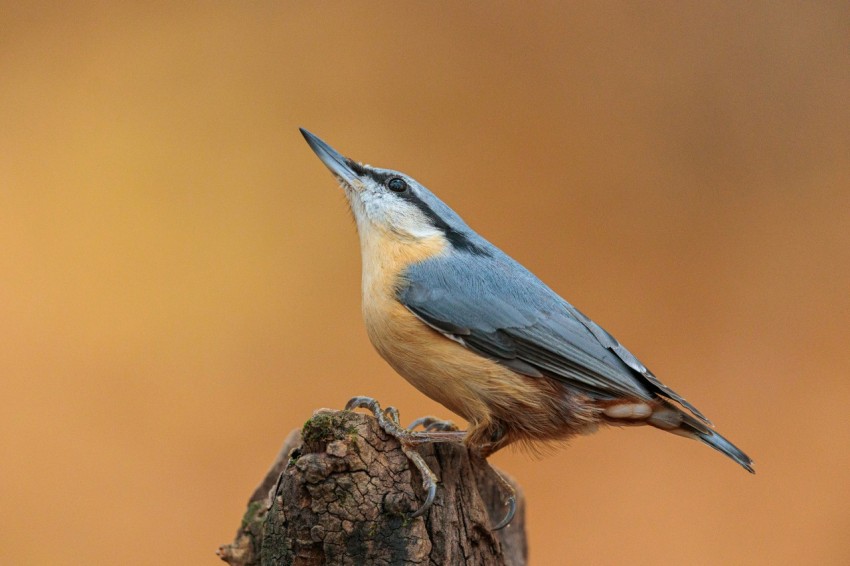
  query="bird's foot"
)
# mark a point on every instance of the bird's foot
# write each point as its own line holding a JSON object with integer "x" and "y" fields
{"x": 435, "y": 431}
{"x": 388, "y": 419}
{"x": 431, "y": 424}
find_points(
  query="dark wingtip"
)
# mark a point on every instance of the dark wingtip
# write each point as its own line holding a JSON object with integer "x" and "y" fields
{"x": 722, "y": 445}
{"x": 696, "y": 412}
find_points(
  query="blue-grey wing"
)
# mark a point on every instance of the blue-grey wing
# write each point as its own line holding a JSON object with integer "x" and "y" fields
{"x": 497, "y": 308}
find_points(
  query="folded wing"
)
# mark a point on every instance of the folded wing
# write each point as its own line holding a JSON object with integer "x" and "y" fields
{"x": 497, "y": 308}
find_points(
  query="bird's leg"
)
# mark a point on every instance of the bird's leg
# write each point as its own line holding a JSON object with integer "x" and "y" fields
{"x": 388, "y": 420}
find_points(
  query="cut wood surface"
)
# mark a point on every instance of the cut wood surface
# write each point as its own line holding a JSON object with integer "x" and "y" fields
{"x": 341, "y": 491}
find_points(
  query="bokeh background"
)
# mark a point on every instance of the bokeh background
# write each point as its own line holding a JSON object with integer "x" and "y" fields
{"x": 179, "y": 276}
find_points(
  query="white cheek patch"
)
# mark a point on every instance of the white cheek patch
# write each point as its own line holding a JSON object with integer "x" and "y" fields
{"x": 394, "y": 214}
{"x": 420, "y": 228}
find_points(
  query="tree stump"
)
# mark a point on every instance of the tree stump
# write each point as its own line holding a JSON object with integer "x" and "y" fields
{"x": 341, "y": 491}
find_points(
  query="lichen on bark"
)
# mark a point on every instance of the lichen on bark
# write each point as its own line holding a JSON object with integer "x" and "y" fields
{"x": 341, "y": 491}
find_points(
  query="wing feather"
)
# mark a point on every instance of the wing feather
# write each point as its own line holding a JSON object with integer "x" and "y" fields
{"x": 497, "y": 308}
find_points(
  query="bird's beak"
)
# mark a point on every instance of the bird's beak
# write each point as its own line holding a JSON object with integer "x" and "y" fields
{"x": 333, "y": 160}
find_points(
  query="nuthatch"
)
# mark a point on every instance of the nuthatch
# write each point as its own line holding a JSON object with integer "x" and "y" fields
{"x": 477, "y": 332}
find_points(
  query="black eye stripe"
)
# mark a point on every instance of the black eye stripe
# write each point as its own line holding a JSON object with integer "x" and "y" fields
{"x": 458, "y": 240}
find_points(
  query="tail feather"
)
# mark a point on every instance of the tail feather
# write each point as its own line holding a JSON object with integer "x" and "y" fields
{"x": 672, "y": 419}
{"x": 719, "y": 443}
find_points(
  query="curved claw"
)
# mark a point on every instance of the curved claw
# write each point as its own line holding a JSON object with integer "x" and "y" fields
{"x": 362, "y": 402}
{"x": 420, "y": 421}
{"x": 424, "y": 422}
{"x": 429, "y": 500}
{"x": 510, "y": 516}
{"x": 387, "y": 418}
{"x": 442, "y": 426}
{"x": 430, "y": 424}
{"x": 429, "y": 479}
{"x": 392, "y": 414}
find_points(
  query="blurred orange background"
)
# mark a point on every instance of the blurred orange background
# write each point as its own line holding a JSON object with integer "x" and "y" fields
{"x": 180, "y": 276}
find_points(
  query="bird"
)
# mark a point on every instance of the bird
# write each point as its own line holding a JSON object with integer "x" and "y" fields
{"x": 474, "y": 330}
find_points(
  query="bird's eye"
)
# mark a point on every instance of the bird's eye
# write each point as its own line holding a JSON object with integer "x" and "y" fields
{"x": 397, "y": 185}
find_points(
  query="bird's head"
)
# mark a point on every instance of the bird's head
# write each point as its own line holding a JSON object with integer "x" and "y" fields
{"x": 392, "y": 201}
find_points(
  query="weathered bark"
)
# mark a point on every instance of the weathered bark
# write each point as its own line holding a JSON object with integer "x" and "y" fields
{"x": 341, "y": 492}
